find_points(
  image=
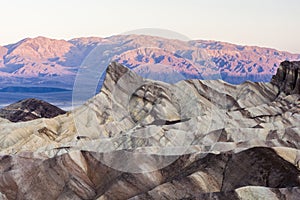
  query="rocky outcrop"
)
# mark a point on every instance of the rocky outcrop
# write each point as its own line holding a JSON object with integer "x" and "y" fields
{"x": 29, "y": 109}
{"x": 82, "y": 175}
{"x": 145, "y": 139}
{"x": 288, "y": 77}
{"x": 253, "y": 192}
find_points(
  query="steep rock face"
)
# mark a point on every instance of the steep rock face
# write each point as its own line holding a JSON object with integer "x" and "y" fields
{"x": 29, "y": 109}
{"x": 288, "y": 77}
{"x": 204, "y": 180}
{"x": 145, "y": 139}
{"x": 242, "y": 114}
{"x": 82, "y": 175}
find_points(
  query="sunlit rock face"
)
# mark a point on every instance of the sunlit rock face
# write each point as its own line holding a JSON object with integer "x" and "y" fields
{"x": 145, "y": 139}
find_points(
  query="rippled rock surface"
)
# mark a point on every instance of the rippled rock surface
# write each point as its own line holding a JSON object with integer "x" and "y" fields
{"x": 144, "y": 139}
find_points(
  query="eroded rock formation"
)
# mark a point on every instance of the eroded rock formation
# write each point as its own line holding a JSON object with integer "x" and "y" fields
{"x": 288, "y": 77}
{"x": 29, "y": 109}
{"x": 144, "y": 139}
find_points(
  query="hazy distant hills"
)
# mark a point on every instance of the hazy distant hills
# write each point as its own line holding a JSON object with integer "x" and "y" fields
{"x": 52, "y": 62}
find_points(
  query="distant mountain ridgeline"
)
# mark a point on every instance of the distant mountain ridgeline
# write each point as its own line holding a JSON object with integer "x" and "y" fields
{"x": 50, "y": 62}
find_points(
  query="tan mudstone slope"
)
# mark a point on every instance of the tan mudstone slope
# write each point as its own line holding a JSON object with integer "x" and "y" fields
{"x": 144, "y": 139}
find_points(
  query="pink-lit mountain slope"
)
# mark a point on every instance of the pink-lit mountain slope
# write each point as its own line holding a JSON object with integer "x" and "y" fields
{"x": 50, "y": 61}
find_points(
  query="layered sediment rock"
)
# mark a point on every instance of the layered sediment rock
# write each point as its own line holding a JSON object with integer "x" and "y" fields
{"x": 82, "y": 175}
{"x": 144, "y": 139}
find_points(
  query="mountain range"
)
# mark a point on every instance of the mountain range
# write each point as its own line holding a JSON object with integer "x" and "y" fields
{"x": 145, "y": 139}
{"x": 49, "y": 62}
